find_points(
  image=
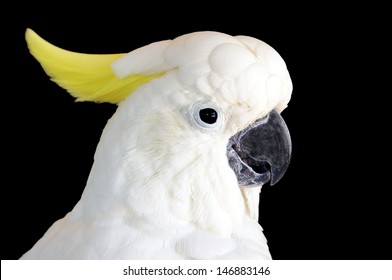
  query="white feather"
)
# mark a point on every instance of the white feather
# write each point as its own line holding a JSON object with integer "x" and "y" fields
{"x": 159, "y": 188}
{"x": 146, "y": 60}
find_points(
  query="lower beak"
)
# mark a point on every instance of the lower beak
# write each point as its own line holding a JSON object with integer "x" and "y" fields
{"x": 261, "y": 152}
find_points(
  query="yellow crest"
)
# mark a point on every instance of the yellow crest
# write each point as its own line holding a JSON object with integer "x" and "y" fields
{"x": 87, "y": 77}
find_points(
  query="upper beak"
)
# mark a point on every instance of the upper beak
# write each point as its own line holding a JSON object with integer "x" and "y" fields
{"x": 261, "y": 152}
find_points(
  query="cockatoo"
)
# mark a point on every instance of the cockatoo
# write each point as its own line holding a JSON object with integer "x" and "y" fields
{"x": 179, "y": 167}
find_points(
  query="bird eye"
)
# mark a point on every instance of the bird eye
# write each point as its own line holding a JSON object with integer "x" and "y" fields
{"x": 208, "y": 115}
{"x": 205, "y": 116}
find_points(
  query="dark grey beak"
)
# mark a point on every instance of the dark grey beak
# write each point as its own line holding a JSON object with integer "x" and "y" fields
{"x": 261, "y": 152}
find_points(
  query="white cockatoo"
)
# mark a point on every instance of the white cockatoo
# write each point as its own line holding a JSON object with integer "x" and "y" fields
{"x": 179, "y": 166}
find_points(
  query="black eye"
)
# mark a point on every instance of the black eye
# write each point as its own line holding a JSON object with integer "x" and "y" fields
{"x": 208, "y": 115}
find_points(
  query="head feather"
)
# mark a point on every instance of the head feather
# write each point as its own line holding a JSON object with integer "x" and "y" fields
{"x": 89, "y": 77}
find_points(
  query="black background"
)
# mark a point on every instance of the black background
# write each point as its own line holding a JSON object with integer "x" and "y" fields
{"x": 333, "y": 202}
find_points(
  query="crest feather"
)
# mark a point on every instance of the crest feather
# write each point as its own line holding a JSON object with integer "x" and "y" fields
{"x": 87, "y": 77}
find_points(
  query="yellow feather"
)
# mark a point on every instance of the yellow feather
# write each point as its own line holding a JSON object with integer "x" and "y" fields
{"x": 87, "y": 77}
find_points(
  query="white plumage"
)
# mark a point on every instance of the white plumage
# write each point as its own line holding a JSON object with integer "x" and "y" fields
{"x": 161, "y": 186}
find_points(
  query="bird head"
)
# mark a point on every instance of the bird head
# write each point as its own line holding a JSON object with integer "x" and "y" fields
{"x": 198, "y": 117}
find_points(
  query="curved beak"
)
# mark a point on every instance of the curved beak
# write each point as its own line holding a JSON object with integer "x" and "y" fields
{"x": 261, "y": 152}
